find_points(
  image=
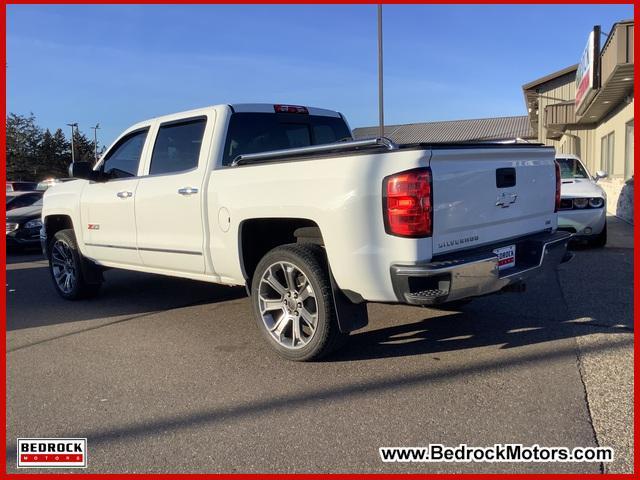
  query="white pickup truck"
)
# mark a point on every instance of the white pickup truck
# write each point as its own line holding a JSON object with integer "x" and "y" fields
{"x": 280, "y": 199}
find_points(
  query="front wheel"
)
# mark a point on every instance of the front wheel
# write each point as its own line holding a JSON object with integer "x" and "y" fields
{"x": 293, "y": 302}
{"x": 65, "y": 265}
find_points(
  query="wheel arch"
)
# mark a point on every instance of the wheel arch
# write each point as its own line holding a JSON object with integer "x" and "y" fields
{"x": 55, "y": 222}
{"x": 257, "y": 236}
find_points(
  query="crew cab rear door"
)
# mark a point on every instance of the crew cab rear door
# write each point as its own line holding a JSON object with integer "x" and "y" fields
{"x": 170, "y": 197}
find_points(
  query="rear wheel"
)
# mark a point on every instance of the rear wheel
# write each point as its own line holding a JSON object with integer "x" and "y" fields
{"x": 293, "y": 302}
{"x": 600, "y": 240}
{"x": 65, "y": 265}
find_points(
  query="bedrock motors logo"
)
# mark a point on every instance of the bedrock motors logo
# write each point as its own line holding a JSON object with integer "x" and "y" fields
{"x": 52, "y": 452}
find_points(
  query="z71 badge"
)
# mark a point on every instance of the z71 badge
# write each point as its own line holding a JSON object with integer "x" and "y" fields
{"x": 94, "y": 226}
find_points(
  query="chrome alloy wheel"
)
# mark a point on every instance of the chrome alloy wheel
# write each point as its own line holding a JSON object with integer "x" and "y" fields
{"x": 288, "y": 305}
{"x": 63, "y": 266}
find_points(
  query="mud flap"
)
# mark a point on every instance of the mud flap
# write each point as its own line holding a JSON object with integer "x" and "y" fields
{"x": 351, "y": 316}
{"x": 91, "y": 272}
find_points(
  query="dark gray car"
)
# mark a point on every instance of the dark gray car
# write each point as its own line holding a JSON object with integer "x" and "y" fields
{"x": 23, "y": 226}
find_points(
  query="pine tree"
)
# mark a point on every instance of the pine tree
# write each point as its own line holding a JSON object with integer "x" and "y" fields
{"x": 62, "y": 157}
{"x": 84, "y": 151}
{"x": 46, "y": 154}
{"x": 55, "y": 155}
{"x": 23, "y": 144}
{"x": 34, "y": 154}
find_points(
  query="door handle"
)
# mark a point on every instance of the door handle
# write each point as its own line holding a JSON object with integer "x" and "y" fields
{"x": 187, "y": 191}
{"x": 124, "y": 194}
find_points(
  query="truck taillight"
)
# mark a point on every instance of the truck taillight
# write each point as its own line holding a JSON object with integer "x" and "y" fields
{"x": 407, "y": 203}
{"x": 558, "y": 187}
{"x": 290, "y": 109}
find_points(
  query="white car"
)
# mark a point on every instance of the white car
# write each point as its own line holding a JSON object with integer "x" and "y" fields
{"x": 272, "y": 197}
{"x": 583, "y": 203}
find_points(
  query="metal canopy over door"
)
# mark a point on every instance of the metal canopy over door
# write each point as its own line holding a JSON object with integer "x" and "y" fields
{"x": 169, "y": 200}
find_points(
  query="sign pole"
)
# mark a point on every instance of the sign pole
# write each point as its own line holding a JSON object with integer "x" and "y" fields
{"x": 380, "y": 81}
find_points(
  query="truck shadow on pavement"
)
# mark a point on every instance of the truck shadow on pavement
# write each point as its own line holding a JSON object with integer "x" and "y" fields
{"x": 507, "y": 321}
{"x": 463, "y": 330}
{"x": 32, "y": 301}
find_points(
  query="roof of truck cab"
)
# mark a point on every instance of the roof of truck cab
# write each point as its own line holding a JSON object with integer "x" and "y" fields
{"x": 235, "y": 107}
{"x": 172, "y": 116}
{"x": 268, "y": 108}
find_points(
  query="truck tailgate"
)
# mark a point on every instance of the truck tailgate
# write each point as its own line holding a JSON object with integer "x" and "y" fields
{"x": 487, "y": 194}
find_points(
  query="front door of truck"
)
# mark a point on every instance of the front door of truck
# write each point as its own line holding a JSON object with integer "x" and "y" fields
{"x": 109, "y": 226}
{"x": 169, "y": 200}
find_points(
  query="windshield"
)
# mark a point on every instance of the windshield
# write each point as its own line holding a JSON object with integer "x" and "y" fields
{"x": 263, "y": 132}
{"x": 571, "y": 168}
{"x": 19, "y": 201}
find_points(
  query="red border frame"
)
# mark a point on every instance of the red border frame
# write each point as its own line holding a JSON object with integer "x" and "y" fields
{"x": 3, "y": 260}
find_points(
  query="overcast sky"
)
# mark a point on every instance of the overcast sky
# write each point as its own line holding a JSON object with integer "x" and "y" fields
{"x": 119, "y": 64}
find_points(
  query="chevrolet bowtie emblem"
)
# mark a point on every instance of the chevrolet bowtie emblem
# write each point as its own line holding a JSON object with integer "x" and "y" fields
{"x": 506, "y": 199}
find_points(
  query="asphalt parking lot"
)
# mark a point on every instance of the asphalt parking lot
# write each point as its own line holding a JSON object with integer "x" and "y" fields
{"x": 162, "y": 374}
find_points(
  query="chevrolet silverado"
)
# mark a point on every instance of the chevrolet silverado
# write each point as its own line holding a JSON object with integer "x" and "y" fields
{"x": 282, "y": 200}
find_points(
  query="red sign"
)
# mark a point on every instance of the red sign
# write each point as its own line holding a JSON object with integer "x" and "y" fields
{"x": 52, "y": 452}
{"x": 587, "y": 69}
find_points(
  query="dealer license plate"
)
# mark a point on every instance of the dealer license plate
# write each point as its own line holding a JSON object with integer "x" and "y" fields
{"x": 506, "y": 257}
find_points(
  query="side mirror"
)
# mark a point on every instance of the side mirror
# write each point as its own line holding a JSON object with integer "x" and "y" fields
{"x": 600, "y": 174}
{"x": 81, "y": 170}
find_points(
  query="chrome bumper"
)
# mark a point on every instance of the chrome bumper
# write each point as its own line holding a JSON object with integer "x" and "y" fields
{"x": 464, "y": 275}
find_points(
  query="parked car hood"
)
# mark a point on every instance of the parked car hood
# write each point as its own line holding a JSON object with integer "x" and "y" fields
{"x": 581, "y": 187}
{"x": 18, "y": 215}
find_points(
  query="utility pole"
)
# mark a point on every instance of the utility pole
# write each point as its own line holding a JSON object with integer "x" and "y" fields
{"x": 380, "y": 82}
{"x": 95, "y": 141}
{"x": 73, "y": 155}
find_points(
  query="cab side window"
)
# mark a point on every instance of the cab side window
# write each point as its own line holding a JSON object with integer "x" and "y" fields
{"x": 177, "y": 146}
{"x": 123, "y": 159}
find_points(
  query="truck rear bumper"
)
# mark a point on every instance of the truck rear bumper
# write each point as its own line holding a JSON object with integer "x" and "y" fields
{"x": 470, "y": 274}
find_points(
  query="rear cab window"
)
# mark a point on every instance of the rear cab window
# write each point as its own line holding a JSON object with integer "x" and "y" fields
{"x": 262, "y": 132}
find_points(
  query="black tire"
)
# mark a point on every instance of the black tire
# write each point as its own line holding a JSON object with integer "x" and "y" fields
{"x": 311, "y": 261}
{"x": 79, "y": 288}
{"x": 600, "y": 240}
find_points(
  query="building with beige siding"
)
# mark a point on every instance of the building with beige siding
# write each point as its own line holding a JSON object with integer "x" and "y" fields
{"x": 597, "y": 123}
